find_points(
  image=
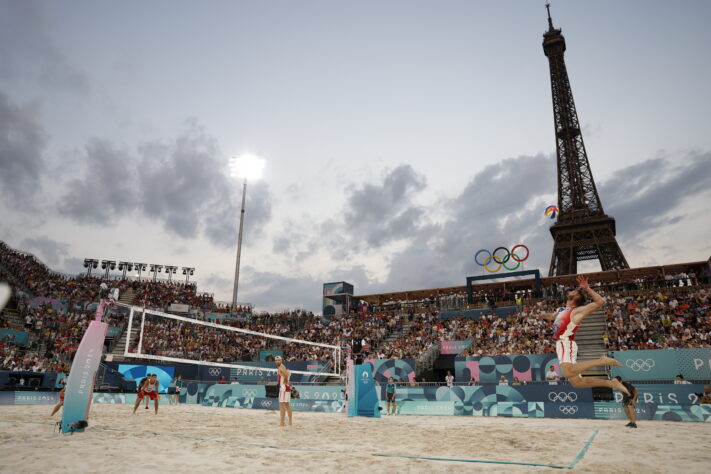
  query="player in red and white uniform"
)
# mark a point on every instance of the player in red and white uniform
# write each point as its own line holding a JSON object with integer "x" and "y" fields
{"x": 284, "y": 390}
{"x": 148, "y": 389}
{"x": 61, "y": 401}
{"x": 566, "y": 322}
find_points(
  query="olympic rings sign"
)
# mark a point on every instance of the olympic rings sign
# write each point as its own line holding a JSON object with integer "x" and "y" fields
{"x": 562, "y": 396}
{"x": 501, "y": 258}
{"x": 568, "y": 410}
{"x": 645, "y": 365}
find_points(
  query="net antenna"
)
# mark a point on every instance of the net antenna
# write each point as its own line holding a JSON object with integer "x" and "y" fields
{"x": 135, "y": 310}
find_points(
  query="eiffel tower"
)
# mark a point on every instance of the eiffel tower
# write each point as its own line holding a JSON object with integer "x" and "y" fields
{"x": 583, "y": 231}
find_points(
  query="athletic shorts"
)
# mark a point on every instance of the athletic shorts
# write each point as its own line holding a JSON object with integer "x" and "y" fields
{"x": 390, "y": 397}
{"x": 152, "y": 395}
{"x": 284, "y": 395}
{"x": 567, "y": 351}
{"x": 61, "y": 398}
{"x": 626, "y": 400}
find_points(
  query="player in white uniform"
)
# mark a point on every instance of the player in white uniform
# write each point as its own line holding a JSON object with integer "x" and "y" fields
{"x": 284, "y": 391}
{"x": 567, "y": 321}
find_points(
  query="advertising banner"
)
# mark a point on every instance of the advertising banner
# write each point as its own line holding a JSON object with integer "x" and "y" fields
{"x": 221, "y": 395}
{"x": 665, "y": 394}
{"x": 498, "y": 400}
{"x": 666, "y": 364}
{"x": 270, "y": 354}
{"x": 652, "y": 411}
{"x": 646, "y": 365}
{"x": 365, "y": 392}
{"x": 420, "y": 407}
{"x": 454, "y": 347}
{"x": 80, "y": 383}
{"x": 51, "y": 398}
{"x": 527, "y": 368}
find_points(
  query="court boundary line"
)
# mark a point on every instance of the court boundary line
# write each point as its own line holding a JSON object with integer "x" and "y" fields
{"x": 570, "y": 466}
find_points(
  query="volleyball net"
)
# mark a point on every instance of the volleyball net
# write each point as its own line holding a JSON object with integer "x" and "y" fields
{"x": 164, "y": 337}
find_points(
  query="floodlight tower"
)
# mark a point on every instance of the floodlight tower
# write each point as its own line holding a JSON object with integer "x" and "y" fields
{"x": 244, "y": 167}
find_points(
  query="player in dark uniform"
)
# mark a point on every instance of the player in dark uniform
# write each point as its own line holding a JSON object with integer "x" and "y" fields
{"x": 629, "y": 402}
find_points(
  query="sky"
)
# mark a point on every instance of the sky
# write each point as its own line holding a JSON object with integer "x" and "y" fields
{"x": 399, "y": 137}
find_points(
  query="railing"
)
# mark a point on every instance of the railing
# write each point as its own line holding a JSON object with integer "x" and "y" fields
{"x": 425, "y": 361}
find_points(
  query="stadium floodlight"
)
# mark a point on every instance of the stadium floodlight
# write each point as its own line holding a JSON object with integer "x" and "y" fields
{"x": 140, "y": 267}
{"x": 155, "y": 269}
{"x": 170, "y": 270}
{"x": 89, "y": 264}
{"x": 125, "y": 267}
{"x": 187, "y": 271}
{"x": 245, "y": 167}
{"x": 108, "y": 265}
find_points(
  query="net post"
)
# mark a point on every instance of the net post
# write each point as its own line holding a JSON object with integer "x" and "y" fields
{"x": 128, "y": 331}
{"x": 140, "y": 337}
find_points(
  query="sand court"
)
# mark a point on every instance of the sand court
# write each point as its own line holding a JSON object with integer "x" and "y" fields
{"x": 190, "y": 438}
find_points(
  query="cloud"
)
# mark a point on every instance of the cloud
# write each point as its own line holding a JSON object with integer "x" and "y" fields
{"x": 27, "y": 53}
{"x": 382, "y": 212}
{"x": 502, "y": 205}
{"x": 108, "y": 188}
{"x": 180, "y": 183}
{"x": 49, "y": 251}
{"x": 642, "y": 197}
{"x": 22, "y": 144}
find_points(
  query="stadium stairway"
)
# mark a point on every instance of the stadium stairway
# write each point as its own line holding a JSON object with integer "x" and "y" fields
{"x": 128, "y": 296}
{"x": 590, "y": 341}
{"x": 117, "y": 351}
{"x": 394, "y": 335}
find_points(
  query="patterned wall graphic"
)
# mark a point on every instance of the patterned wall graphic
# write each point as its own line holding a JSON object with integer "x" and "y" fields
{"x": 693, "y": 364}
{"x": 397, "y": 368}
{"x": 530, "y": 367}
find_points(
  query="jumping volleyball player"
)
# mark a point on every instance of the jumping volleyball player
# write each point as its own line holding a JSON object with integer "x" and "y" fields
{"x": 566, "y": 322}
{"x": 284, "y": 390}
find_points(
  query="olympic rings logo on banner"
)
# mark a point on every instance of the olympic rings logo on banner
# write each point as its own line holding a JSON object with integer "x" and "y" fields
{"x": 568, "y": 410}
{"x": 645, "y": 365}
{"x": 249, "y": 393}
{"x": 214, "y": 371}
{"x": 500, "y": 258}
{"x": 562, "y": 396}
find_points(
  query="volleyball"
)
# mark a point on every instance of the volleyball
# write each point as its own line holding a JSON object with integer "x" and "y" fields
{"x": 551, "y": 212}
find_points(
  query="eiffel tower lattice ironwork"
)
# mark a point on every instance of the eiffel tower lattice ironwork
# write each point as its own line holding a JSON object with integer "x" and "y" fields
{"x": 583, "y": 231}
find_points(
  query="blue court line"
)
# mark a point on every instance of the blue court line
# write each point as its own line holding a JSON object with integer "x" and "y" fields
{"x": 287, "y": 448}
{"x": 583, "y": 451}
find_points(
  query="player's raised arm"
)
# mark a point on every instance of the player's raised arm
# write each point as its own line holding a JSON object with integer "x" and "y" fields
{"x": 597, "y": 301}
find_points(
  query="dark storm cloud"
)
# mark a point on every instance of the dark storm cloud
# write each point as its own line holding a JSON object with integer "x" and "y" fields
{"x": 107, "y": 190}
{"x": 642, "y": 196}
{"x": 27, "y": 53}
{"x": 501, "y": 206}
{"x": 383, "y": 212}
{"x": 49, "y": 251}
{"x": 181, "y": 184}
{"x": 22, "y": 143}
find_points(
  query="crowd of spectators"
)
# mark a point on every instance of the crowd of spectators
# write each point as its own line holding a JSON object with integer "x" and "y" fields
{"x": 31, "y": 275}
{"x": 658, "y": 321}
{"x": 643, "y": 313}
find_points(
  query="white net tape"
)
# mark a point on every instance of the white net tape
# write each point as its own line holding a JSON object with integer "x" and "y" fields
{"x": 139, "y": 311}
